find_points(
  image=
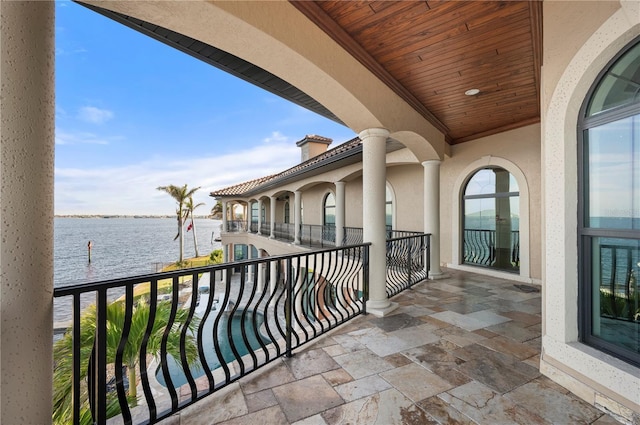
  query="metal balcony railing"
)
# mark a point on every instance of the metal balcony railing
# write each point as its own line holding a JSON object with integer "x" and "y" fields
{"x": 235, "y": 226}
{"x": 407, "y": 261}
{"x": 145, "y": 347}
{"x": 317, "y": 235}
{"x": 480, "y": 249}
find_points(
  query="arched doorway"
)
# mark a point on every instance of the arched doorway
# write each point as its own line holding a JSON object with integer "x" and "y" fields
{"x": 491, "y": 220}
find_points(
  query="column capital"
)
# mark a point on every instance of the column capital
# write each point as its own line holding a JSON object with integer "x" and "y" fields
{"x": 340, "y": 183}
{"x": 373, "y": 132}
{"x": 432, "y": 163}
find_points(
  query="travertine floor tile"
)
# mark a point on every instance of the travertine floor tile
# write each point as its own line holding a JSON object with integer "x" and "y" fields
{"x": 306, "y": 397}
{"x": 416, "y": 382}
{"x": 362, "y": 363}
{"x": 388, "y": 407}
{"x": 362, "y": 388}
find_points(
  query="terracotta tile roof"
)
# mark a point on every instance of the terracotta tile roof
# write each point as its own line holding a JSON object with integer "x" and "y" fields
{"x": 242, "y": 188}
{"x": 247, "y": 188}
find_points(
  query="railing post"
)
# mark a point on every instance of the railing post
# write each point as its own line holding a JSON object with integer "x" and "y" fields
{"x": 289, "y": 308}
{"x": 410, "y": 266}
{"x": 98, "y": 384}
{"x": 365, "y": 278}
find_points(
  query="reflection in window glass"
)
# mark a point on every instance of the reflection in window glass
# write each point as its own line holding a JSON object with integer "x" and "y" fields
{"x": 616, "y": 292}
{"x": 287, "y": 216}
{"x": 491, "y": 236}
{"x": 329, "y": 210}
{"x": 389, "y": 208}
{"x": 609, "y": 229}
{"x": 613, "y": 177}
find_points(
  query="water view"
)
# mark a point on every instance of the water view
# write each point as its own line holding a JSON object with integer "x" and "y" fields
{"x": 121, "y": 247}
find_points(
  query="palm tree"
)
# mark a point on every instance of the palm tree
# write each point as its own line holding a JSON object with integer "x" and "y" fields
{"x": 63, "y": 352}
{"x": 190, "y": 207}
{"x": 180, "y": 194}
{"x": 216, "y": 211}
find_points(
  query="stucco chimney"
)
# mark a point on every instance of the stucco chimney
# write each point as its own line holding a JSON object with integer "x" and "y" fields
{"x": 312, "y": 146}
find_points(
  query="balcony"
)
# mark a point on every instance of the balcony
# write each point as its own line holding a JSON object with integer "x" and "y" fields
{"x": 462, "y": 350}
{"x": 140, "y": 349}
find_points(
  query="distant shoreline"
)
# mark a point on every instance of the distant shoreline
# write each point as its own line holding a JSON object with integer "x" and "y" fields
{"x": 123, "y": 216}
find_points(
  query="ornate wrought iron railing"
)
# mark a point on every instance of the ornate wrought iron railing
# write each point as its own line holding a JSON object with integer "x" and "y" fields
{"x": 352, "y": 235}
{"x": 236, "y": 226}
{"x": 284, "y": 231}
{"x": 480, "y": 248}
{"x": 407, "y": 261}
{"x": 317, "y": 235}
{"x": 619, "y": 266}
{"x": 205, "y": 328}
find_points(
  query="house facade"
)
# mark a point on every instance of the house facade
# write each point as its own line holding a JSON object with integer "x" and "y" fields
{"x": 564, "y": 182}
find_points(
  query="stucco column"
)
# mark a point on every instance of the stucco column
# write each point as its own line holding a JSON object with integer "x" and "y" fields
{"x": 249, "y": 268}
{"x": 340, "y": 213}
{"x": 224, "y": 217}
{"x": 272, "y": 217}
{"x": 259, "y": 216}
{"x": 261, "y": 267}
{"x": 374, "y": 143}
{"x": 26, "y": 210}
{"x": 225, "y": 259}
{"x": 297, "y": 216}
{"x": 432, "y": 213}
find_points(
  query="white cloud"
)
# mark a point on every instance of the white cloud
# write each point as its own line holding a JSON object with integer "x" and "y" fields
{"x": 94, "y": 115}
{"x": 79, "y": 138}
{"x": 132, "y": 189}
{"x": 276, "y": 137}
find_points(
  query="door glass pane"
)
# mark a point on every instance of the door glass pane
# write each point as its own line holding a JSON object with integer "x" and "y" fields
{"x": 616, "y": 292}
{"x": 491, "y": 235}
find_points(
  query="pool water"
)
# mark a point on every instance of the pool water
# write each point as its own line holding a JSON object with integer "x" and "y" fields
{"x": 176, "y": 372}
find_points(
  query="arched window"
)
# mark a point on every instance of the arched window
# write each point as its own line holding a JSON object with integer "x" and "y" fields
{"x": 389, "y": 208}
{"x": 254, "y": 216}
{"x": 287, "y": 213}
{"x": 609, "y": 209}
{"x": 491, "y": 236}
{"x": 329, "y": 210}
{"x": 329, "y": 218}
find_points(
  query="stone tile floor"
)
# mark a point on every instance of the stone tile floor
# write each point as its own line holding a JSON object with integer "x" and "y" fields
{"x": 463, "y": 350}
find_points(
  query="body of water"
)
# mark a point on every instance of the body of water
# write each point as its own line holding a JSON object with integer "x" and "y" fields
{"x": 122, "y": 247}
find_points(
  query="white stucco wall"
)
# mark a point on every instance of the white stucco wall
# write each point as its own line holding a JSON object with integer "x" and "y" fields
{"x": 580, "y": 39}
{"x": 518, "y": 151}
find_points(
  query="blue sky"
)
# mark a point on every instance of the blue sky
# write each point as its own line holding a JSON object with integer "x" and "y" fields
{"x": 133, "y": 114}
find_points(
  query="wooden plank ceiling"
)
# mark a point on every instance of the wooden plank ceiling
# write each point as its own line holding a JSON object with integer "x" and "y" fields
{"x": 431, "y": 52}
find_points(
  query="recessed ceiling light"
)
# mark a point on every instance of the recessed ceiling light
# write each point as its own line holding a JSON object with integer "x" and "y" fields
{"x": 472, "y": 92}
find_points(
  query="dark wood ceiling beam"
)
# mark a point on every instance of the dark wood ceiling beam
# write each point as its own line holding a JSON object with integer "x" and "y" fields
{"x": 535, "y": 8}
{"x": 312, "y": 11}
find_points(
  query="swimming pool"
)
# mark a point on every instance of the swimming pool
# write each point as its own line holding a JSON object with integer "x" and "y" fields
{"x": 176, "y": 372}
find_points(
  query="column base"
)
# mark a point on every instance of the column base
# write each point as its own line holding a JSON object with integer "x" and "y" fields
{"x": 438, "y": 275}
{"x": 379, "y": 310}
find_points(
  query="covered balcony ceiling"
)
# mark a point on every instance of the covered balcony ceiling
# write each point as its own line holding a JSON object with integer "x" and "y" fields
{"x": 431, "y": 52}
{"x": 428, "y": 52}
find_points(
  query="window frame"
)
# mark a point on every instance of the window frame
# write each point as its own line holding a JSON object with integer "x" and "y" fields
{"x": 587, "y": 235}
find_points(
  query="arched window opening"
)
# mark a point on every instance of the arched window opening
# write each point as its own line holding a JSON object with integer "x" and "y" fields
{"x": 329, "y": 218}
{"x": 491, "y": 235}
{"x": 254, "y": 216}
{"x": 609, "y": 209}
{"x": 329, "y": 210}
{"x": 389, "y": 208}
{"x": 287, "y": 213}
